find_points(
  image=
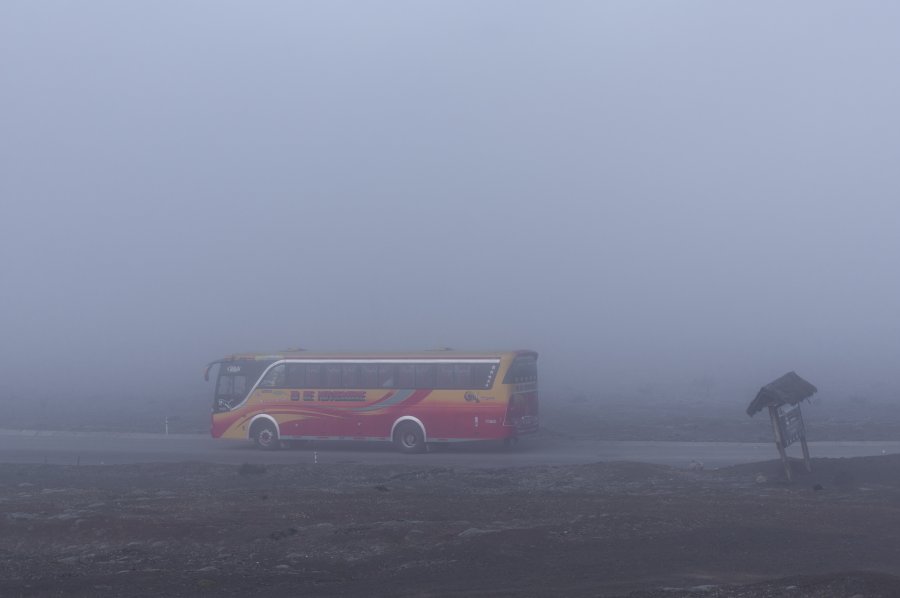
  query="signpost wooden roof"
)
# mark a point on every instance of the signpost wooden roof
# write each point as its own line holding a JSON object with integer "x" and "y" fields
{"x": 790, "y": 389}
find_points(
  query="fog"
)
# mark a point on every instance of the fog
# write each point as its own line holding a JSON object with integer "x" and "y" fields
{"x": 647, "y": 193}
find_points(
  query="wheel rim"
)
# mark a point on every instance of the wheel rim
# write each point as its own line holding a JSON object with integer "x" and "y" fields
{"x": 266, "y": 437}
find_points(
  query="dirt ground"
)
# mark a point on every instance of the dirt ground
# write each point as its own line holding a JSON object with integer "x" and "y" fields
{"x": 607, "y": 529}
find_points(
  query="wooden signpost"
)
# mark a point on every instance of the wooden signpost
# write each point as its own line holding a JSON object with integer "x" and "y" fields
{"x": 782, "y": 398}
{"x": 787, "y": 423}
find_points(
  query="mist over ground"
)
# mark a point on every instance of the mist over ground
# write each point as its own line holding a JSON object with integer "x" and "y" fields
{"x": 666, "y": 200}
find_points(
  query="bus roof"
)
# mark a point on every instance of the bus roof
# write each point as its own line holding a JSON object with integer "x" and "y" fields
{"x": 417, "y": 355}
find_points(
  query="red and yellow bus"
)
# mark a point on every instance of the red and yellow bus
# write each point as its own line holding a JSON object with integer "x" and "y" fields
{"x": 410, "y": 399}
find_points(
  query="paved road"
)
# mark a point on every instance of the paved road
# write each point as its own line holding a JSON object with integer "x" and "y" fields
{"x": 110, "y": 448}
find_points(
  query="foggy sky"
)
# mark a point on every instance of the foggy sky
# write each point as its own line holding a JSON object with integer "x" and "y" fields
{"x": 644, "y": 192}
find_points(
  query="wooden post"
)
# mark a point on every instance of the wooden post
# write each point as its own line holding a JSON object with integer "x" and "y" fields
{"x": 779, "y": 443}
{"x": 805, "y": 452}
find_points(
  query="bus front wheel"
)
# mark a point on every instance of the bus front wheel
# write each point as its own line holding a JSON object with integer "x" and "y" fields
{"x": 409, "y": 437}
{"x": 265, "y": 435}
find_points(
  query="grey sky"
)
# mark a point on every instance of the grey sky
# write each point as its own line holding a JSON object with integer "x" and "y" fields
{"x": 642, "y": 191}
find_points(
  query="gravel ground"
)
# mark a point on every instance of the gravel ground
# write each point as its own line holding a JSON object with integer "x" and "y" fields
{"x": 608, "y": 529}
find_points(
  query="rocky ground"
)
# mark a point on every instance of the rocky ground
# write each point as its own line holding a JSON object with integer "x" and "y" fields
{"x": 608, "y": 529}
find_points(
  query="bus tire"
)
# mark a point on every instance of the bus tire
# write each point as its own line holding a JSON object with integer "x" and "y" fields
{"x": 265, "y": 435}
{"x": 409, "y": 437}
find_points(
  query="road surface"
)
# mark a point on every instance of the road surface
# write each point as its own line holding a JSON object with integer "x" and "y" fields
{"x": 70, "y": 448}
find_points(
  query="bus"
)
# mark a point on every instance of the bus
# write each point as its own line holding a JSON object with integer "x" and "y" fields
{"x": 410, "y": 399}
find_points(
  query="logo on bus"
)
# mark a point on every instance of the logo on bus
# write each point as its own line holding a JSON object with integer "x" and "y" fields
{"x": 233, "y": 369}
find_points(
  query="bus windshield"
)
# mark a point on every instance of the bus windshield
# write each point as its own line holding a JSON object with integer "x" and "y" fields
{"x": 236, "y": 378}
{"x": 523, "y": 369}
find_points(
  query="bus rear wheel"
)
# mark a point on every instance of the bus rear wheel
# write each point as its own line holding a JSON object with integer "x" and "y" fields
{"x": 409, "y": 437}
{"x": 265, "y": 435}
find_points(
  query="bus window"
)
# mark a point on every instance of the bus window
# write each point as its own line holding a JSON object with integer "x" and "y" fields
{"x": 386, "y": 376}
{"x": 274, "y": 378}
{"x": 523, "y": 369}
{"x": 425, "y": 375}
{"x": 368, "y": 376}
{"x": 226, "y": 385}
{"x": 350, "y": 376}
{"x": 314, "y": 375}
{"x": 483, "y": 375}
{"x": 406, "y": 375}
{"x": 296, "y": 375}
{"x": 332, "y": 375}
{"x": 444, "y": 376}
{"x": 230, "y": 391}
{"x": 462, "y": 375}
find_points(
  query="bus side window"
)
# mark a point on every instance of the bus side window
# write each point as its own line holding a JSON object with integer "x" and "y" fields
{"x": 406, "y": 375}
{"x": 296, "y": 375}
{"x": 425, "y": 375}
{"x": 314, "y": 375}
{"x": 483, "y": 375}
{"x": 462, "y": 375}
{"x": 332, "y": 375}
{"x": 444, "y": 377}
{"x": 369, "y": 376}
{"x": 386, "y": 376}
{"x": 274, "y": 378}
{"x": 350, "y": 375}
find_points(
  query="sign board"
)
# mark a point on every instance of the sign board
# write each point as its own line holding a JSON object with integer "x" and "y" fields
{"x": 790, "y": 424}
